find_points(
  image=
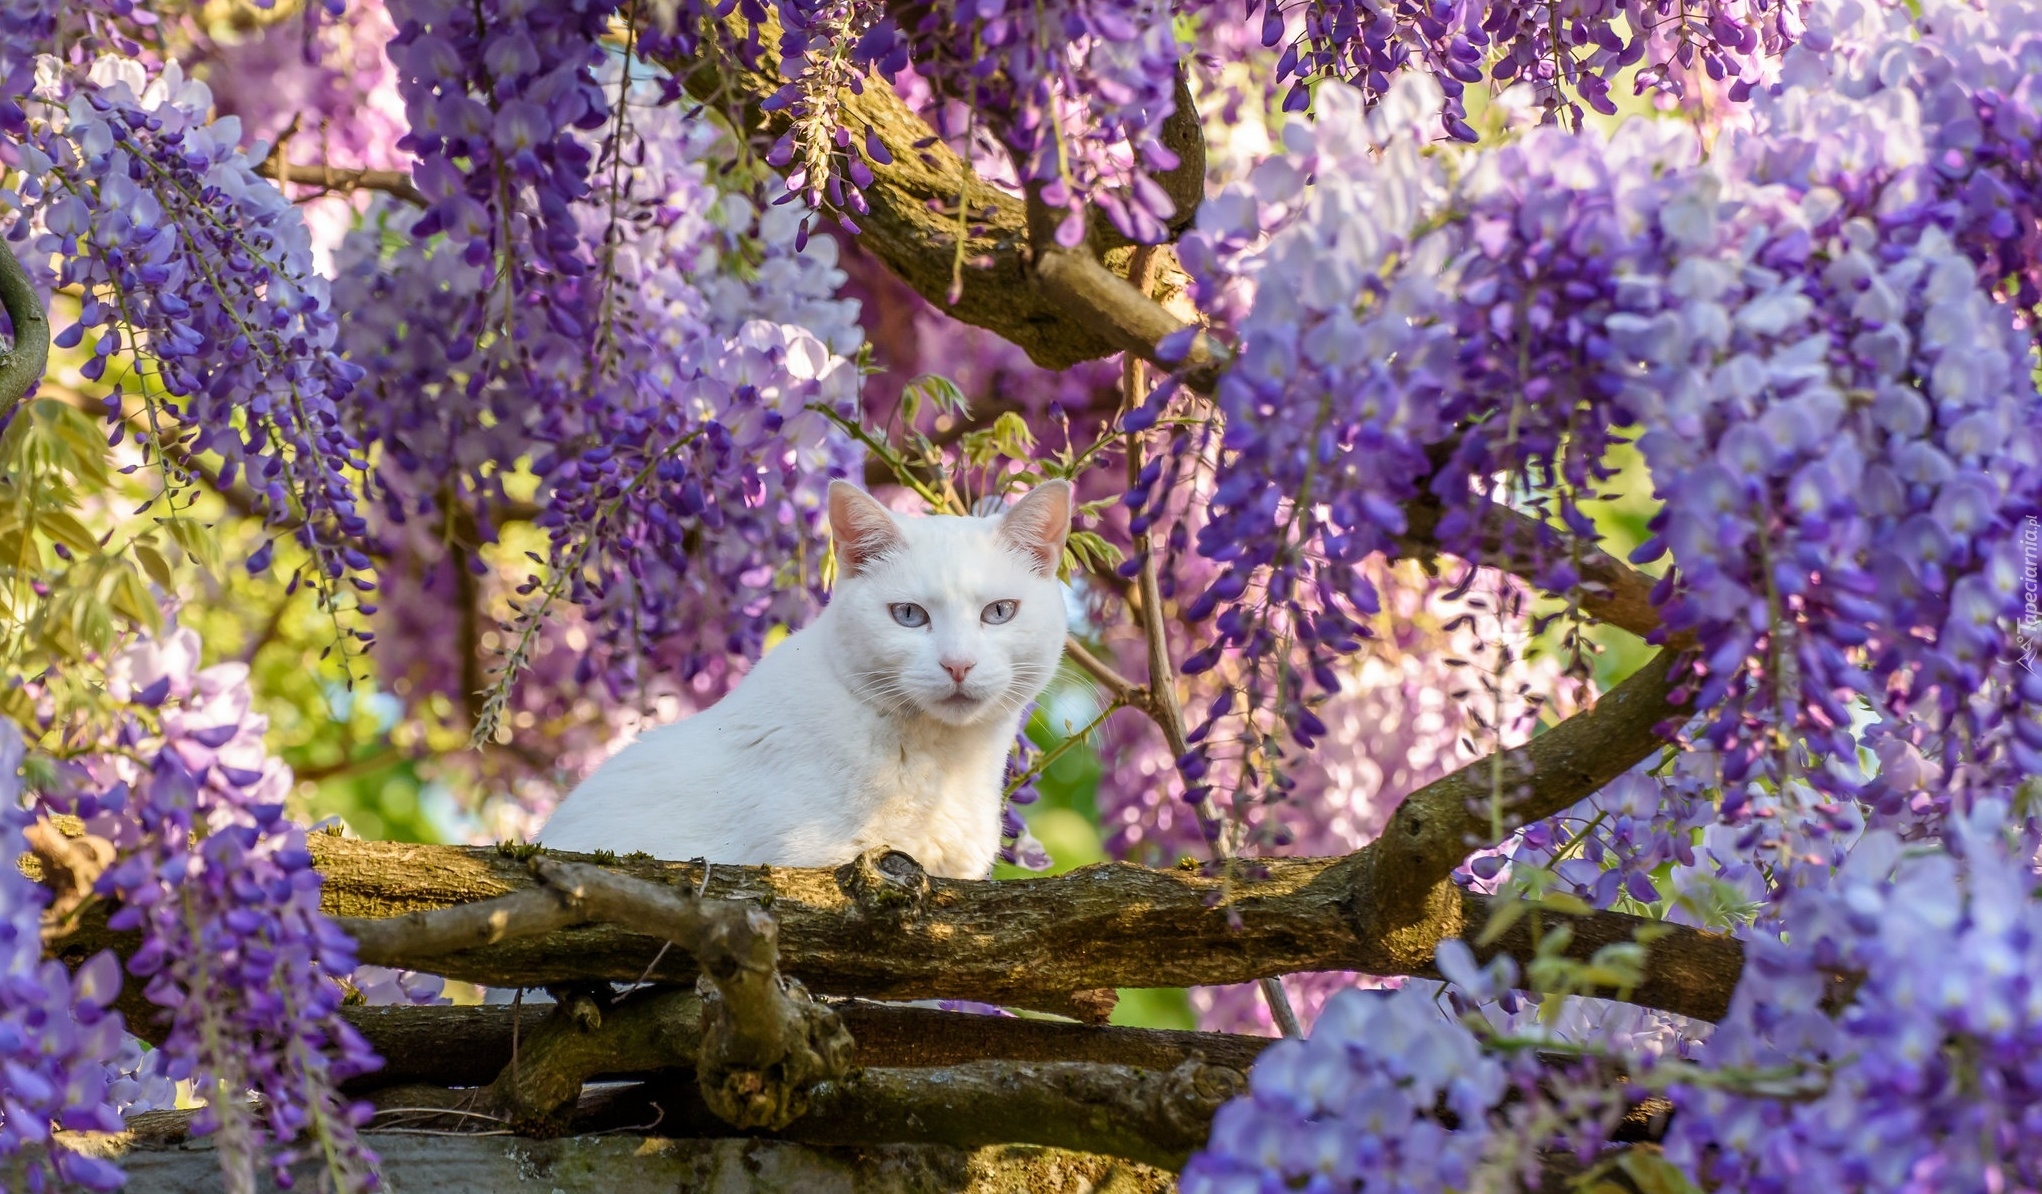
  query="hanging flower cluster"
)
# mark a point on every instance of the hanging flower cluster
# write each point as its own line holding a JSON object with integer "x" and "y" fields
{"x": 57, "y": 1032}
{"x": 203, "y": 271}
{"x": 1842, "y": 420}
{"x": 221, "y": 888}
{"x": 1899, "y": 1004}
{"x": 666, "y": 357}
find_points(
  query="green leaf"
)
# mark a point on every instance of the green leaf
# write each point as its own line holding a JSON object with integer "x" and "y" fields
{"x": 198, "y": 541}
{"x": 16, "y": 704}
{"x": 1011, "y": 434}
{"x": 1503, "y": 915}
{"x": 154, "y": 564}
{"x": 1650, "y": 1173}
{"x": 1086, "y": 549}
{"x": 59, "y": 525}
{"x": 940, "y": 393}
{"x": 132, "y": 599}
{"x": 1567, "y": 903}
{"x": 77, "y": 431}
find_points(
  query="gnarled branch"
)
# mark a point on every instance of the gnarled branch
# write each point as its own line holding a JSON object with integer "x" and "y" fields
{"x": 761, "y": 1043}
{"x": 902, "y": 935}
{"x": 1110, "y": 925}
{"x": 920, "y": 202}
{"x": 1154, "y": 1117}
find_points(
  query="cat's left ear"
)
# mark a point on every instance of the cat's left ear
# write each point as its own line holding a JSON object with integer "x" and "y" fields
{"x": 864, "y": 530}
{"x": 1037, "y": 524}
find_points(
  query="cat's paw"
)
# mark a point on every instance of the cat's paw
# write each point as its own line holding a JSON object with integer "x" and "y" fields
{"x": 885, "y": 881}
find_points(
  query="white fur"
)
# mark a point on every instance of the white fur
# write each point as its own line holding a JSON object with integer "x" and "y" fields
{"x": 851, "y": 734}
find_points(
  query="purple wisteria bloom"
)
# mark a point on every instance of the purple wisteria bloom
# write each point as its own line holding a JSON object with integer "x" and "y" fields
{"x": 234, "y": 947}
{"x": 1898, "y": 1013}
{"x": 57, "y": 1030}
{"x": 202, "y": 270}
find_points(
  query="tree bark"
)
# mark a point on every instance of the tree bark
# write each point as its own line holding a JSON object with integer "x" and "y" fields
{"x": 1019, "y": 943}
{"x": 21, "y": 367}
{"x": 471, "y": 1046}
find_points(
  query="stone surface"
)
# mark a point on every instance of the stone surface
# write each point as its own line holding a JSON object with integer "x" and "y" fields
{"x": 159, "y": 1160}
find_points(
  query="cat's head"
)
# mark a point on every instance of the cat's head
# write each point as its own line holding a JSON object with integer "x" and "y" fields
{"x": 951, "y": 618}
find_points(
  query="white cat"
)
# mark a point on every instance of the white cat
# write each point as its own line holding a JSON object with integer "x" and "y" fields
{"x": 885, "y": 722}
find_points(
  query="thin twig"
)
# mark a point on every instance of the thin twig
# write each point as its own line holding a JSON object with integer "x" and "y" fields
{"x": 651, "y": 966}
{"x": 382, "y": 1111}
{"x": 1123, "y": 689}
{"x": 1162, "y": 705}
{"x": 644, "y": 1127}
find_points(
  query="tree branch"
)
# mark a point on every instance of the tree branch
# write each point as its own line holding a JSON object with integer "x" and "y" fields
{"x": 342, "y": 180}
{"x": 1154, "y": 1117}
{"x": 1016, "y": 943}
{"x": 1435, "y": 829}
{"x": 1120, "y": 687}
{"x": 23, "y": 365}
{"x": 764, "y": 1041}
{"x": 913, "y": 219}
{"x": 471, "y": 1046}
{"x": 1612, "y": 591}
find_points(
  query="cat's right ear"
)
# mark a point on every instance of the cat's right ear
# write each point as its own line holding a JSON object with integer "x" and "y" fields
{"x": 864, "y": 530}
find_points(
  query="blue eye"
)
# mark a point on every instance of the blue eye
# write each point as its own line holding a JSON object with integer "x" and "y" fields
{"x": 909, "y": 614}
{"x": 999, "y": 611}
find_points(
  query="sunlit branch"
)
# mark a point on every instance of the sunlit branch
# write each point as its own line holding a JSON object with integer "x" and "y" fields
{"x": 1023, "y": 944}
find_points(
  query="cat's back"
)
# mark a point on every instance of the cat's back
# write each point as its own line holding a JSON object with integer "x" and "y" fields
{"x": 727, "y": 782}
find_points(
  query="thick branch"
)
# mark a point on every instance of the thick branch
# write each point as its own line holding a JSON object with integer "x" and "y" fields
{"x": 1154, "y": 1117}
{"x": 1110, "y": 925}
{"x": 1690, "y": 972}
{"x": 913, "y": 220}
{"x": 427, "y": 933}
{"x": 656, "y": 1029}
{"x": 1127, "y": 319}
{"x": 23, "y": 364}
{"x": 763, "y": 1042}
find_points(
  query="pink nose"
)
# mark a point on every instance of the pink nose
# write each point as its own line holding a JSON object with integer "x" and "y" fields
{"x": 958, "y": 671}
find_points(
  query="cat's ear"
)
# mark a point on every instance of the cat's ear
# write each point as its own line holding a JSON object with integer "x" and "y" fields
{"x": 863, "y": 529}
{"x": 1038, "y": 523}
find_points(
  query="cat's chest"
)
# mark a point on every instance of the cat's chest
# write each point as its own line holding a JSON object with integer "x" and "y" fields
{"x": 941, "y": 807}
